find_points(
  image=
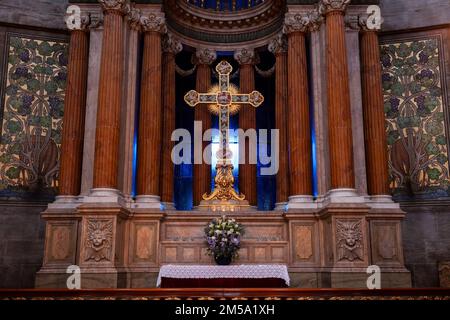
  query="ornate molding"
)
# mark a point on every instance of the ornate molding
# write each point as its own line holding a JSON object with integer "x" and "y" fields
{"x": 119, "y": 6}
{"x": 153, "y": 22}
{"x": 327, "y": 6}
{"x": 171, "y": 45}
{"x": 302, "y": 22}
{"x": 363, "y": 23}
{"x": 278, "y": 45}
{"x": 205, "y": 56}
{"x": 245, "y": 56}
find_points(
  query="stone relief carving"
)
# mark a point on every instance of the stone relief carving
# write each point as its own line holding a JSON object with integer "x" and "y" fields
{"x": 98, "y": 242}
{"x": 134, "y": 18}
{"x": 144, "y": 237}
{"x": 349, "y": 240}
{"x": 204, "y": 56}
{"x": 303, "y": 242}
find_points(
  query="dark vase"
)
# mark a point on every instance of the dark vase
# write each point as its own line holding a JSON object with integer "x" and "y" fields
{"x": 223, "y": 260}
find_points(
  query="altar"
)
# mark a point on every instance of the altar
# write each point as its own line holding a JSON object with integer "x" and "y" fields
{"x": 233, "y": 276}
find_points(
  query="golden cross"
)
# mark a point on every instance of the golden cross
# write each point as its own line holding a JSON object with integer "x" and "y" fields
{"x": 224, "y": 99}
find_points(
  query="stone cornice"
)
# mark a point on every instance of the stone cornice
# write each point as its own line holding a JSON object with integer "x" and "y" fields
{"x": 327, "y": 6}
{"x": 170, "y": 44}
{"x": 246, "y": 56}
{"x": 278, "y": 44}
{"x": 205, "y": 56}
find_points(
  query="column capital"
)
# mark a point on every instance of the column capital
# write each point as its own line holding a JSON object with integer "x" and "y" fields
{"x": 115, "y": 6}
{"x": 369, "y": 25}
{"x": 134, "y": 16}
{"x": 171, "y": 44}
{"x": 302, "y": 22}
{"x": 327, "y": 6}
{"x": 153, "y": 22}
{"x": 278, "y": 44}
{"x": 246, "y": 56}
{"x": 205, "y": 56}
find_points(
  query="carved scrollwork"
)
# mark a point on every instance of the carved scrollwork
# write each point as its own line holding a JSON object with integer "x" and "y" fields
{"x": 302, "y": 22}
{"x": 278, "y": 45}
{"x": 170, "y": 44}
{"x": 349, "y": 240}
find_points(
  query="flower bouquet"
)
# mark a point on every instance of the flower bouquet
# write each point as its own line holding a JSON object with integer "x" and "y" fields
{"x": 224, "y": 239}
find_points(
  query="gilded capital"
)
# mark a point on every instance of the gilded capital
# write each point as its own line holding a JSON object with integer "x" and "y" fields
{"x": 153, "y": 22}
{"x": 171, "y": 45}
{"x": 302, "y": 22}
{"x": 326, "y": 6}
{"x": 205, "y": 56}
{"x": 278, "y": 45}
{"x": 245, "y": 56}
{"x": 114, "y": 5}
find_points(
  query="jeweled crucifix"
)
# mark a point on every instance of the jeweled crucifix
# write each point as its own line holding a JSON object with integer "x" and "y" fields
{"x": 224, "y": 180}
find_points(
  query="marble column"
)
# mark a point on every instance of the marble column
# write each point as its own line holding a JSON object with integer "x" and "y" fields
{"x": 74, "y": 113}
{"x": 247, "y": 120}
{"x": 202, "y": 171}
{"x": 170, "y": 47}
{"x": 279, "y": 47}
{"x": 109, "y": 101}
{"x": 150, "y": 115}
{"x": 374, "y": 120}
{"x": 338, "y": 98}
{"x": 298, "y": 113}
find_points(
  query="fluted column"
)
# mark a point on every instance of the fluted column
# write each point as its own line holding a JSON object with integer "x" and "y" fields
{"x": 279, "y": 47}
{"x": 109, "y": 97}
{"x": 202, "y": 172}
{"x": 373, "y": 110}
{"x": 170, "y": 48}
{"x": 299, "y": 130}
{"x": 338, "y": 96}
{"x": 247, "y": 120}
{"x": 150, "y": 115}
{"x": 74, "y": 113}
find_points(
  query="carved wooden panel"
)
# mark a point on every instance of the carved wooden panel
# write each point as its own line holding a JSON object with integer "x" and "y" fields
{"x": 386, "y": 242}
{"x": 61, "y": 242}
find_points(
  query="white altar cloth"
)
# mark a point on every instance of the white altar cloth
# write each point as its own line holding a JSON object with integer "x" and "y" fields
{"x": 249, "y": 271}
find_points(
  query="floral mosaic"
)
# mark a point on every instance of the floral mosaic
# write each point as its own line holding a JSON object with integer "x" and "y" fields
{"x": 33, "y": 107}
{"x": 415, "y": 119}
